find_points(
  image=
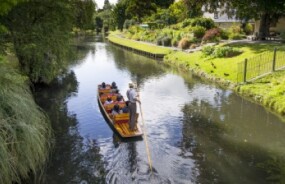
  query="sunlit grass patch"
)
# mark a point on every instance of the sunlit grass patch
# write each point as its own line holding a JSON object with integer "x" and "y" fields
{"x": 153, "y": 49}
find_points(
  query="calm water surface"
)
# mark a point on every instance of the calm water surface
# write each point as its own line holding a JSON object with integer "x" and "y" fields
{"x": 197, "y": 132}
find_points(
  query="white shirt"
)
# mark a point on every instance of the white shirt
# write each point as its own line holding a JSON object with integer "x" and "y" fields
{"x": 132, "y": 95}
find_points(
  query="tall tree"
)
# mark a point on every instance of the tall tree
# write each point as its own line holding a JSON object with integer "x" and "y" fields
{"x": 39, "y": 31}
{"x": 138, "y": 8}
{"x": 119, "y": 13}
{"x": 263, "y": 10}
{"x": 163, "y": 3}
{"x": 84, "y": 13}
{"x": 107, "y": 5}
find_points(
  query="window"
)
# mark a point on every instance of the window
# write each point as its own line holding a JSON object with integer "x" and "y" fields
{"x": 216, "y": 16}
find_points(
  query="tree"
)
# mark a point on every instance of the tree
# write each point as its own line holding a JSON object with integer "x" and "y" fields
{"x": 178, "y": 11}
{"x": 39, "y": 31}
{"x": 84, "y": 13}
{"x": 107, "y": 5}
{"x": 119, "y": 14}
{"x": 163, "y": 3}
{"x": 263, "y": 10}
{"x": 138, "y": 8}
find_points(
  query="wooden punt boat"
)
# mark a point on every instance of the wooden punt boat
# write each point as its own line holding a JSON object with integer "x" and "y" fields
{"x": 119, "y": 122}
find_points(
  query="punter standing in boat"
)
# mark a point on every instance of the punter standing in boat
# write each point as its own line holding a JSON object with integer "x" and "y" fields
{"x": 133, "y": 98}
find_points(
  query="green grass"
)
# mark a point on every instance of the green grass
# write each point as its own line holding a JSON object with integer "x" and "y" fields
{"x": 225, "y": 68}
{"x": 113, "y": 37}
{"x": 269, "y": 91}
{"x": 24, "y": 129}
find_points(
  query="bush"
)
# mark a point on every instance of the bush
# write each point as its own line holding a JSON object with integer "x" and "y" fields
{"x": 198, "y": 31}
{"x": 207, "y": 23}
{"x": 225, "y": 34}
{"x": 220, "y": 51}
{"x": 212, "y": 35}
{"x": 184, "y": 43}
{"x": 248, "y": 29}
{"x": 208, "y": 50}
{"x": 166, "y": 41}
{"x": 174, "y": 42}
{"x": 186, "y": 23}
{"x": 236, "y": 36}
{"x": 226, "y": 52}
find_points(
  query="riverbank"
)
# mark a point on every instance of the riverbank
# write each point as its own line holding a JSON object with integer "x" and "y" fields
{"x": 267, "y": 91}
{"x": 25, "y": 130}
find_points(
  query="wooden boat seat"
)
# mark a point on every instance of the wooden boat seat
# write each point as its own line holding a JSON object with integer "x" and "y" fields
{"x": 109, "y": 107}
{"x": 121, "y": 118}
{"x": 104, "y": 97}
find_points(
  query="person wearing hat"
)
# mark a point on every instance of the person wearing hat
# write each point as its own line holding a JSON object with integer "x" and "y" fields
{"x": 133, "y": 98}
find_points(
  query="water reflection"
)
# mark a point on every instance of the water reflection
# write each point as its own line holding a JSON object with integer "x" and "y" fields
{"x": 226, "y": 137}
{"x": 73, "y": 160}
{"x": 197, "y": 132}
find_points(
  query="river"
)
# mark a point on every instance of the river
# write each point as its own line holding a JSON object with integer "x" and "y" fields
{"x": 197, "y": 132}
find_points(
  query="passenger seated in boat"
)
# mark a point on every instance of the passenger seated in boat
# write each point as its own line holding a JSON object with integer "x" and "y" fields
{"x": 114, "y": 87}
{"x": 120, "y": 99}
{"x": 126, "y": 108}
{"x": 103, "y": 85}
{"x": 108, "y": 101}
{"x": 116, "y": 110}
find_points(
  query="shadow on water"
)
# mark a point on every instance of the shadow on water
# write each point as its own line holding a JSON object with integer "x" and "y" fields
{"x": 224, "y": 148}
{"x": 72, "y": 160}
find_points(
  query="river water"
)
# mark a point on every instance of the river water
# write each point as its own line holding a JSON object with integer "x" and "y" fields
{"x": 197, "y": 132}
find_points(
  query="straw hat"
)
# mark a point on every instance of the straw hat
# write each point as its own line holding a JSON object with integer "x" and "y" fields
{"x": 131, "y": 84}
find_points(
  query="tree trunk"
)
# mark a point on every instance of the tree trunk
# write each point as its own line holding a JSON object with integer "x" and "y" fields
{"x": 264, "y": 26}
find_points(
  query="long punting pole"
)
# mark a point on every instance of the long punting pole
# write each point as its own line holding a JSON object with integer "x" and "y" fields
{"x": 145, "y": 140}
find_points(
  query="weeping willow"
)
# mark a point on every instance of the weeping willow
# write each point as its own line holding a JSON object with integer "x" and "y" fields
{"x": 24, "y": 128}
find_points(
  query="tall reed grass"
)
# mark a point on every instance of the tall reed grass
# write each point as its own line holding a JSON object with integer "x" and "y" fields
{"x": 24, "y": 128}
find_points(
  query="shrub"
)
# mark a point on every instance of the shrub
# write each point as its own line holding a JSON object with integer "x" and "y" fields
{"x": 184, "y": 43}
{"x": 166, "y": 41}
{"x": 248, "y": 29}
{"x": 208, "y": 50}
{"x": 198, "y": 31}
{"x": 207, "y": 23}
{"x": 225, "y": 34}
{"x": 226, "y": 52}
{"x": 212, "y": 35}
{"x": 236, "y": 36}
{"x": 174, "y": 42}
{"x": 186, "y": 23}
{"x": 220, "y": 51}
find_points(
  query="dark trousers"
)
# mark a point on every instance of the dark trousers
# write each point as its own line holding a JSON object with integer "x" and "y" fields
{"x": 133, "y": 112}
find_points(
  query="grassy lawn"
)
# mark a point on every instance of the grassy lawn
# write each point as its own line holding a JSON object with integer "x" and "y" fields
{"x": 138, "y": 45}
{"x": 225, "y": 68}
{"x": 269, "y": 91}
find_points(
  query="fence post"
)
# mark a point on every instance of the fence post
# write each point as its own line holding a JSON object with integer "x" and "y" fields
{"x": 245, "y": 70}
{"x": 274, "y": 60}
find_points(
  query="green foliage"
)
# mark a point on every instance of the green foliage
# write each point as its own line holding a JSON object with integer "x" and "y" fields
{"x": 208, "y": 50}
{"x": 119, "y": 13}
{"x": 248, "y": 29}
{"x": 40, "y": 36}
{"x": 166, "y": 41}
{"x": 84, "y": 12}
{"x": 138, "y": 9}
{"x": 178, "y": 11}
{"x": 25, "y": 130}
{"x": 220, "y": 52}
{"x": 207, "y": 23}
{"x": 163, "y": 3}
{"x": 198, "y": 31}
{"x": 129, "y": 23}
